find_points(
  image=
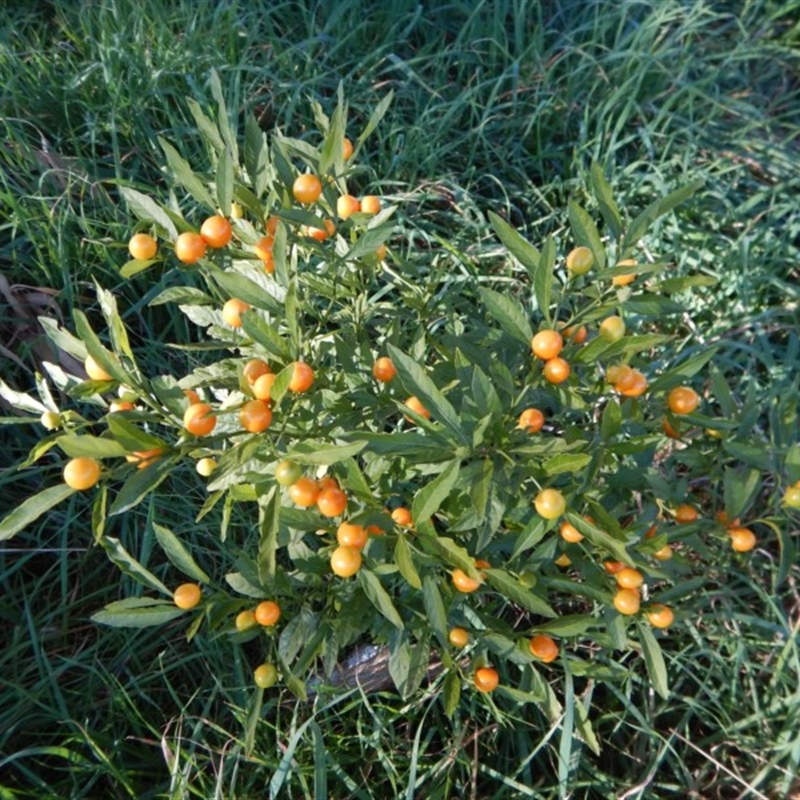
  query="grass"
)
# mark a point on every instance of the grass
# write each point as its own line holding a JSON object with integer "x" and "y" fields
{"x": 498, "y": 106}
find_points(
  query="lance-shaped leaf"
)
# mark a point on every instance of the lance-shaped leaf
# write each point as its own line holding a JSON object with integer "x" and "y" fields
{"x": 185, "y": 176}
{"x": 509, "y": 313}
{"x": 606, "y": 202}
{"x": 31, "y": 509}
{"x": 654, "y": 661}
{"x": 130, "y": 566}
{"x": 418, "y": 383}
{"x": 428, "y": 499}
{"x": 586, "y": 234}
{"x": 137, "y": 612}
{"x": 178, "y": 555}
{"x": 517, "y": 593}
{"x": 379, "y": 597}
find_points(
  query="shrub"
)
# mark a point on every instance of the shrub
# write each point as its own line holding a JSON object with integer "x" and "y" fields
{"x": 351, "y": 393}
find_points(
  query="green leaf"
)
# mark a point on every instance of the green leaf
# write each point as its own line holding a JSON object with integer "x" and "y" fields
{"x": 375, "y": 117}
{"x": 137, "y": 265}
{"x": 321, "y": 453}
{"x": 206, "y": 126}
{"x": 405, "y": 562}
{"x": 452, "y": 693}
{"x": 240, "y": 584}
{"x": 585, "y": 233}
{"x": 428, "y": 499}
{"x": 178, "y": 555}
{"x": 370, "y": 240}
{"x": 76, "y": 446}
{"x": 654, "y": 661}
{"x": 147, "y": 210}
{"x": 585, "y": 730}
{"x": 31, "y": 509}
{"x": 127, "y": 564}
{"x": 520, "y": 248}
{"x": 509, "y": 313}
{"x": 656, "y": 209}
{"x": 116, "y": 328}
{"x": 741, "y": 487}
{"x": 543, "y": 285}
{"x": 569, "y": 625}
{"x": 236, "y": 285}
{"x": 517, "y": 593}
{"x": 606, "y": 202}
{"x": 683, "y": 371}
{"x": 139, "y": 485}
{"x": 185, "y": 176}
{"x": 291, "y": 316}
{"x": 417, "y": 382}
{"x": 256, "y": 156}
{"x": 223, "y": 119}
{"x": 224, "y": 183}
{"x": 675, "y": 285}
{"x": 269, "y": 507}
{"x": 434, "y": 609}
{"x": 599, "y": 538}
{"x": 96, "y": 350}
{"x": 749, "y": 454}
{"x": 130, "y": 436}
{"x": 566, "y": 462}
{"x": 446, "y": 549}
{"x": 265, "y": 335}
{"x": 379, "y": 597}
{"x": 137, "y": 612}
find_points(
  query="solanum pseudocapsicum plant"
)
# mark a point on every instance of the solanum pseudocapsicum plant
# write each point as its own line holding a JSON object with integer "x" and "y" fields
{"x": 421, "y": 473}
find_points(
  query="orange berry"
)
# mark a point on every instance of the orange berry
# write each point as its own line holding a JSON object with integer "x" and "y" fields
{"x": 199, "y": 419}
{"x": 190, "y": 247}
{"x": 262, "y": 388}
{"x": 685, "y": 513}
{"x": 576, "y": 333}
{"x": 265, "y": 676}
{"x": 556, "y": 370}
{"x": 307, "y": 189}
{"x": 416, "y": 405}
{"x": 486, "y": 679}
{"x": 383, "y": 369}
{"x": 95, "y": 371}
{"x": 637, "y": 387}
{"x": 660, "y": 616}
{"x": 267, "y": 613}
{"x": 187, "y": 595}
{"x": 144, "y": 458}
{"x": 347, "y": 205}
{"x": 304, "y": 492}
{"x": 302, "y": 377}
{"x": 352, "y": 535}
{"x": 742, "y": 539}
{"x": 254, "y": 369}
{"x": 531, "y": 420}
{"x": 463, "y": 582}
{"x": 216, "y": 231}
{"x": 255, "y": 416}
{"x": 345, "y": 561}
{"x": 544, "y": 648}
{"x": 370, "y": 204}
{"x": 550, "y": 503}
{"x": 458, "y": 637}
{"x": 332, "y": 501}
{"x": 232, "y": 312}
{"x": 81, "y": 473}
{"x": 320, "y": 234}
{"x": 627, "y": 601}
{"x": 402, "y": 517}
{"x": 683, "y": 400}
{"x": 613, "y": 567}
{"x": 547, "y": 344}
{"x": 142, "y": 246}
{"x": 347, "y": 148}
{"x": 569, "y": 533}
{"x": 663, "y": 553}
{"x": 629, "y": 578}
